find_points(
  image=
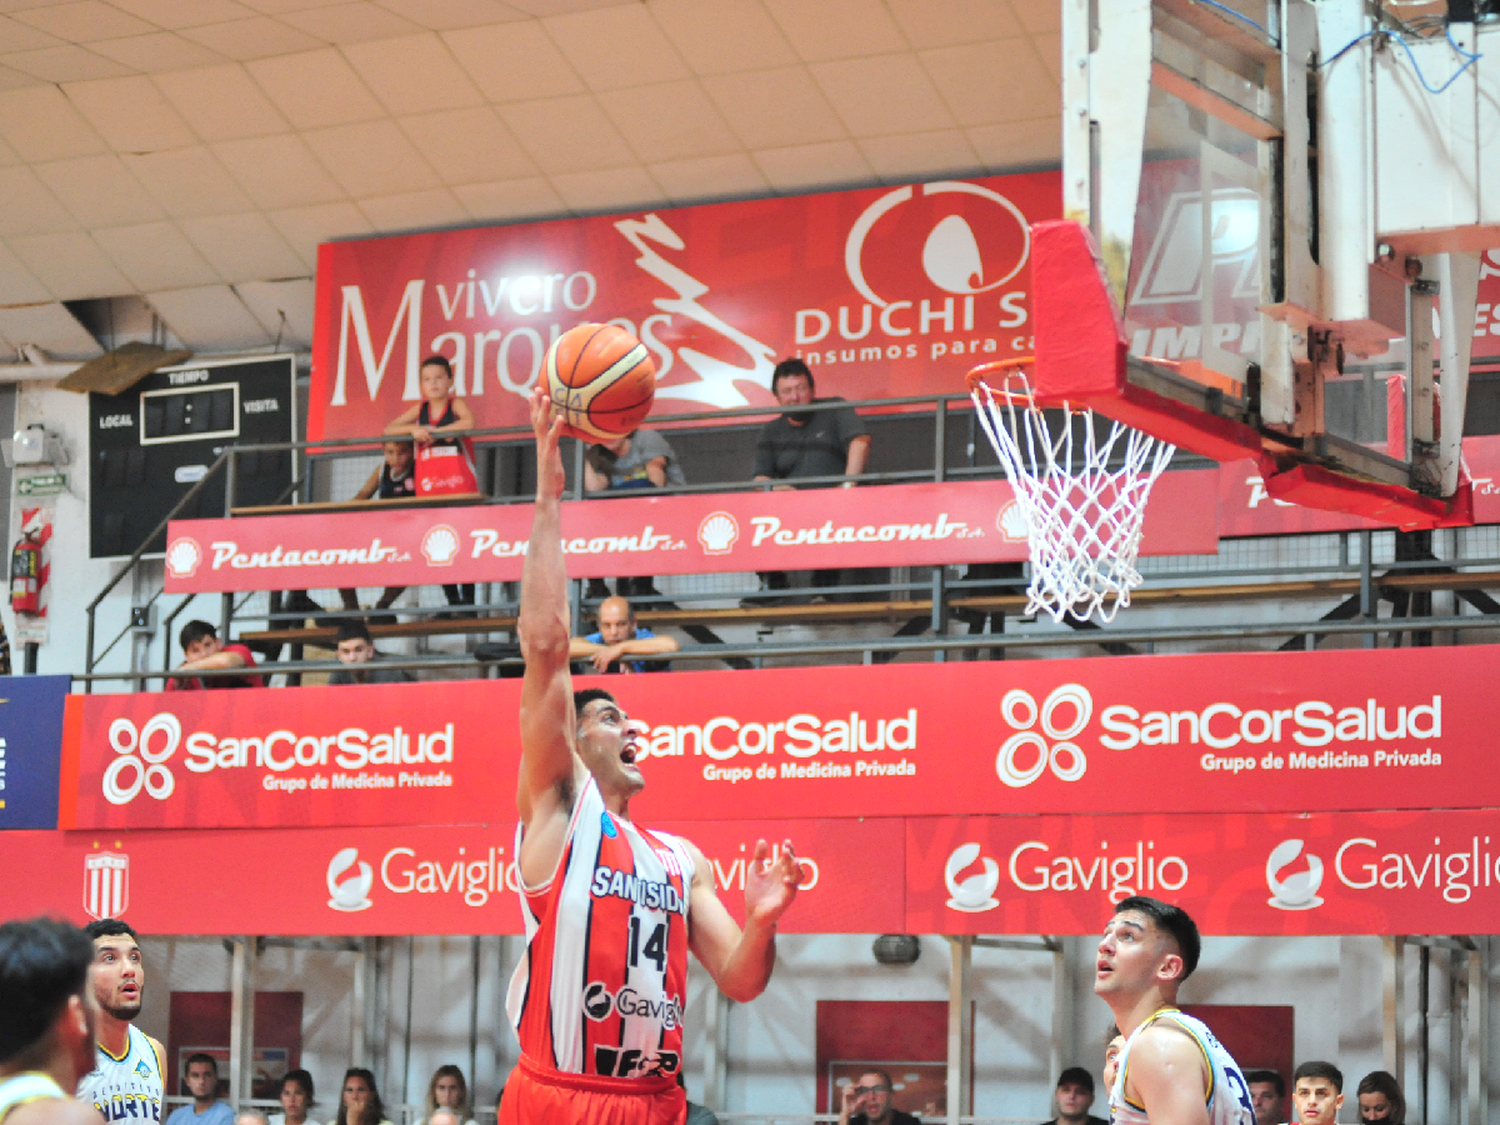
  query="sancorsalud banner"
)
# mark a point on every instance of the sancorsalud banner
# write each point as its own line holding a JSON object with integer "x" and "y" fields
{"x": 410, "y": 880}
{"x": 886, "y": 291}
{"x": 892, "y": 525}
{"x": 1365, "y": 729}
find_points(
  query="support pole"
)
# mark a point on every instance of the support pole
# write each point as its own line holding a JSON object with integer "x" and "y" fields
{"x": 241, "y": 1019}
{"x": 1062, "y": 1007}
{"x": 473, "y": 1009}
{"x": 1393, "y": 1008}
{"x": 357, "y": 1015}
{"x": 1477, "y": 1071}
{"x": 960, "y": 1029}
{"x": 716, "y": 1054}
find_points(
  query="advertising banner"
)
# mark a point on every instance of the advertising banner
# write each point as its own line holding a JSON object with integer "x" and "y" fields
{"x": 1345, "y": 873}
{"x": 884, "y": 291}
{"x": 31, "y": 719}
{"x": 892, "y": 525}
{"x": 414, "y": 880}
{"x": 1234, "y": 732}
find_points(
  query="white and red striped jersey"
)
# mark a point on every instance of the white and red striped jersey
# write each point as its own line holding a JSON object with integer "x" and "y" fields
{"x": 603, "y": 984}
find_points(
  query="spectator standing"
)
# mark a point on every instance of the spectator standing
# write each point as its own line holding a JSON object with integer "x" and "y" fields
{"x": 448, "y": 1091}
{"x": 1075, "y": 1097}
{"x": 1267, "y": 1096}
{"x": 807, "y": 443}
{"x": 296, "y": 1099}
{"x": 359, "y": 1103}
{"x": 1380, "y": 1099}
{"x": 618, "y": 636}
{"x": 868, "y": 1102}
{"x": 640, "y": 460}
{"x": 201, "y": 1076}
{"x": 357, "y": 652}
{"x": 396, "y": 479}
{"x": 46, "y": 1023}
{"x": 203, "y": 651}
{"x": 127, "y": 1080}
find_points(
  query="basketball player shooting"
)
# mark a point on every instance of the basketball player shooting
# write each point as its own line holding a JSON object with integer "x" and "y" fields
{"x": 610, "y": 908}
{"x": 1171, "y": 1071}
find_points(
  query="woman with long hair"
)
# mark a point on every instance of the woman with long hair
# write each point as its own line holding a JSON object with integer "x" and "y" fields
{"x": 1380, "y": 1099}
{"x": 296, "y": 1099}
{"x": 448, "y": 1090}
{"x": 360, "y": 1103}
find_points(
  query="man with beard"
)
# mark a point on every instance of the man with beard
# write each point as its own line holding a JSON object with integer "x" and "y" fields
{"x": 126, "y": 1083}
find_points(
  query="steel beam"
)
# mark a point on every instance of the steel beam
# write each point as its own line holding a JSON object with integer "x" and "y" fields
{"x": 960, "y": 1028}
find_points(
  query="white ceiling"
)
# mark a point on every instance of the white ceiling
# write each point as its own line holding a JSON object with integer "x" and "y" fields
{"x": 197, "y": 151}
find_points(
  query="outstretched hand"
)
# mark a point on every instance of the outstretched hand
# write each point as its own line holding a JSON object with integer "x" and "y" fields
{"x": 770, "y": 887}
{"x": 548, "y": 428}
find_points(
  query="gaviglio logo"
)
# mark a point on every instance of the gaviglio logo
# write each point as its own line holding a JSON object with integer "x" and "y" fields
{"x": 975, "y": 894}
{"x": 351, "y": 894}
{"x": 1298, "y": 891}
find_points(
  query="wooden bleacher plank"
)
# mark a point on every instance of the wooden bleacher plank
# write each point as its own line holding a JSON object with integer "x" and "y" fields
{"x": 456, "y": 500}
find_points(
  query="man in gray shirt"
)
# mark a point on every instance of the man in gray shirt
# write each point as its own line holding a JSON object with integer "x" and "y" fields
{"x": 357, "y": 651}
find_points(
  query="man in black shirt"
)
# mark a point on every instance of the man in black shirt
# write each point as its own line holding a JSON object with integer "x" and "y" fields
{"x": 868, "y": 1102}
{"x": 1075, "y": 1096}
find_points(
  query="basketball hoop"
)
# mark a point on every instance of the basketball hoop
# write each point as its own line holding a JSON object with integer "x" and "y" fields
{"x": 1083, "y": 517}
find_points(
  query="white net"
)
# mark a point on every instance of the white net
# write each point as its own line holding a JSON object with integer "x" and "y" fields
{"x": 1083, "y": 498}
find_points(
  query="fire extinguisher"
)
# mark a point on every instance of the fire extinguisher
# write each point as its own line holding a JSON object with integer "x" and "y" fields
{"x": 26, "y": 575}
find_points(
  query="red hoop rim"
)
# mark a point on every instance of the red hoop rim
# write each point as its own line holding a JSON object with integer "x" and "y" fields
{"x": 975, "y": 378}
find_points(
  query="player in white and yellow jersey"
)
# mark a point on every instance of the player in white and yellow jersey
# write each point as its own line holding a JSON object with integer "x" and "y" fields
{"x": 46, "y": 1022}
{"x": 1172, "y": 1071}
{"x": 126, "y": 1082}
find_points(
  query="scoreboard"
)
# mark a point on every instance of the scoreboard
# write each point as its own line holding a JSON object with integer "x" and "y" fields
{"x": 150, "y": 444}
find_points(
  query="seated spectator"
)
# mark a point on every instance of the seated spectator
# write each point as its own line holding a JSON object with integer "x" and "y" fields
{"x": 202, "y": 650}
{"x": 448, "y": 1098}
{"x": 296, "y": 1099}
{"x": 1318, "y": 1092}
{"x": 358, "y": 652}
{"x": 1380, "y": 1098}
{"x": 360, "y": 1102}
{"x": 641, "y": 459}
{"x": 1113, "y": 1045}
{"x": 1267, "y": 1096}
{"x": 395, "y": 479}
{"x": 250, "y": 1117}
{"x": 1075, "y": 1096}
{"x": 619, "y": 636}
{"x": 201, "y": 1077}
{"x": 868, "y": 1102}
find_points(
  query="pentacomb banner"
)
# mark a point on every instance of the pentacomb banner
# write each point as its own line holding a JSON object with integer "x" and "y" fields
{"x": 31, "y": 719}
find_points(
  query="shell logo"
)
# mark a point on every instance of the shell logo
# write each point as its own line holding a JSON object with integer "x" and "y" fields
{"x": 183, "y": 557}
{"x": 1011, "y": 523}
{"x": 717, "y": 533}
{"x": 440, "y": 545}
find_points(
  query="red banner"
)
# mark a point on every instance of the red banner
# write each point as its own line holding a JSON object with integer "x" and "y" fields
{"x": 413, "y": 880}
{"x": 893, "y": 525}
{"x": 886, "y": 291}
{"x": 1241, "y": 732}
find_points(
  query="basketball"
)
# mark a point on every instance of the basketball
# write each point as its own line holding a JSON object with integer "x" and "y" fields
{"x": 601, "y": 380}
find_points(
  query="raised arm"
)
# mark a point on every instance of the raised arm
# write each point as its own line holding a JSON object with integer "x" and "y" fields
{"x": 740, "y": 962}
{"x": 371, "y": 487}
{"x": 604, "y": 655}
{"x": 548, "y": 777}
{"x": 406, "y": 421}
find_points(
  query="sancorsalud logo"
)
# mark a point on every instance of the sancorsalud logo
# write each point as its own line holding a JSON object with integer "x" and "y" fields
{"x": 1026, "y": 754}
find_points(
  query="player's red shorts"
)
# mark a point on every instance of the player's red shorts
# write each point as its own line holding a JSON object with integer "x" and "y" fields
{"x": 534, "y": 1096}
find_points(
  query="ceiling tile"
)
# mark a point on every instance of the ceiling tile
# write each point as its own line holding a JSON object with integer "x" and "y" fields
{"x": 17, "y": 286}
{"x": 916, "y": 156}
{"x": 350, "y": 23}
{"x": 985, "y": 83}
{"x": 84, "y": 20}
{"x": 413, "y": 74}
{"x": 130, "y": 114}
{"x": 805, "y": 167}
{"x": 371, "y": 158}
{"x": 155, "y": 256}
{"x": 276, "y": 7}
{"x": 567, "y": 134}
{"x": 160, "y": 51}
{"x": 278, "y": 171}
{"x": 30, "y": 208}
{"x": 64, "y": 64}
{"x": 839, "y": 29}
{"x": 221, "y": 103}
{"x": 468, "y": 146}
{"x": 268, "y": 300}
{"x": 8, "y": 155}
{"x": 414, "y": 210}
{"x": 50, "y": 326}
{"x": 99, "y": 191}
{"x": 315, "y": 89}
{"x": 707, "y": 178}
{"x": 1048, "y": 46}
{"x": 882, "y": 94}
{"x": 447, "y": 15}
{"x": 1038, "y": 15}
{"x": 71, "y": 265}
{"x": 15, "y": 80}
{"x": 255, "y": 38}
{"x": 717, "y": 36}
{"x": 243, "y": 247}
{"x": 175, "y": 14}
{"x": 1019, "y": 145}
{"x": 938, "y": 23}
{"x": 543, "y": 8}
{"x": 188, "y": 182}
{"x": 41, "y": 124}
{"x": 617, "y": 189}
{"x": 514, "y": 62}
{"x": 670, "y": 121}
{"x": 210, "y": 318}
{"x": 305, "y": 227}
{"x": 511, "y": 200}
{"x": 17, "y": 36}
{"x": 775, "y": 108}
{"x": 614, "y": 47}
